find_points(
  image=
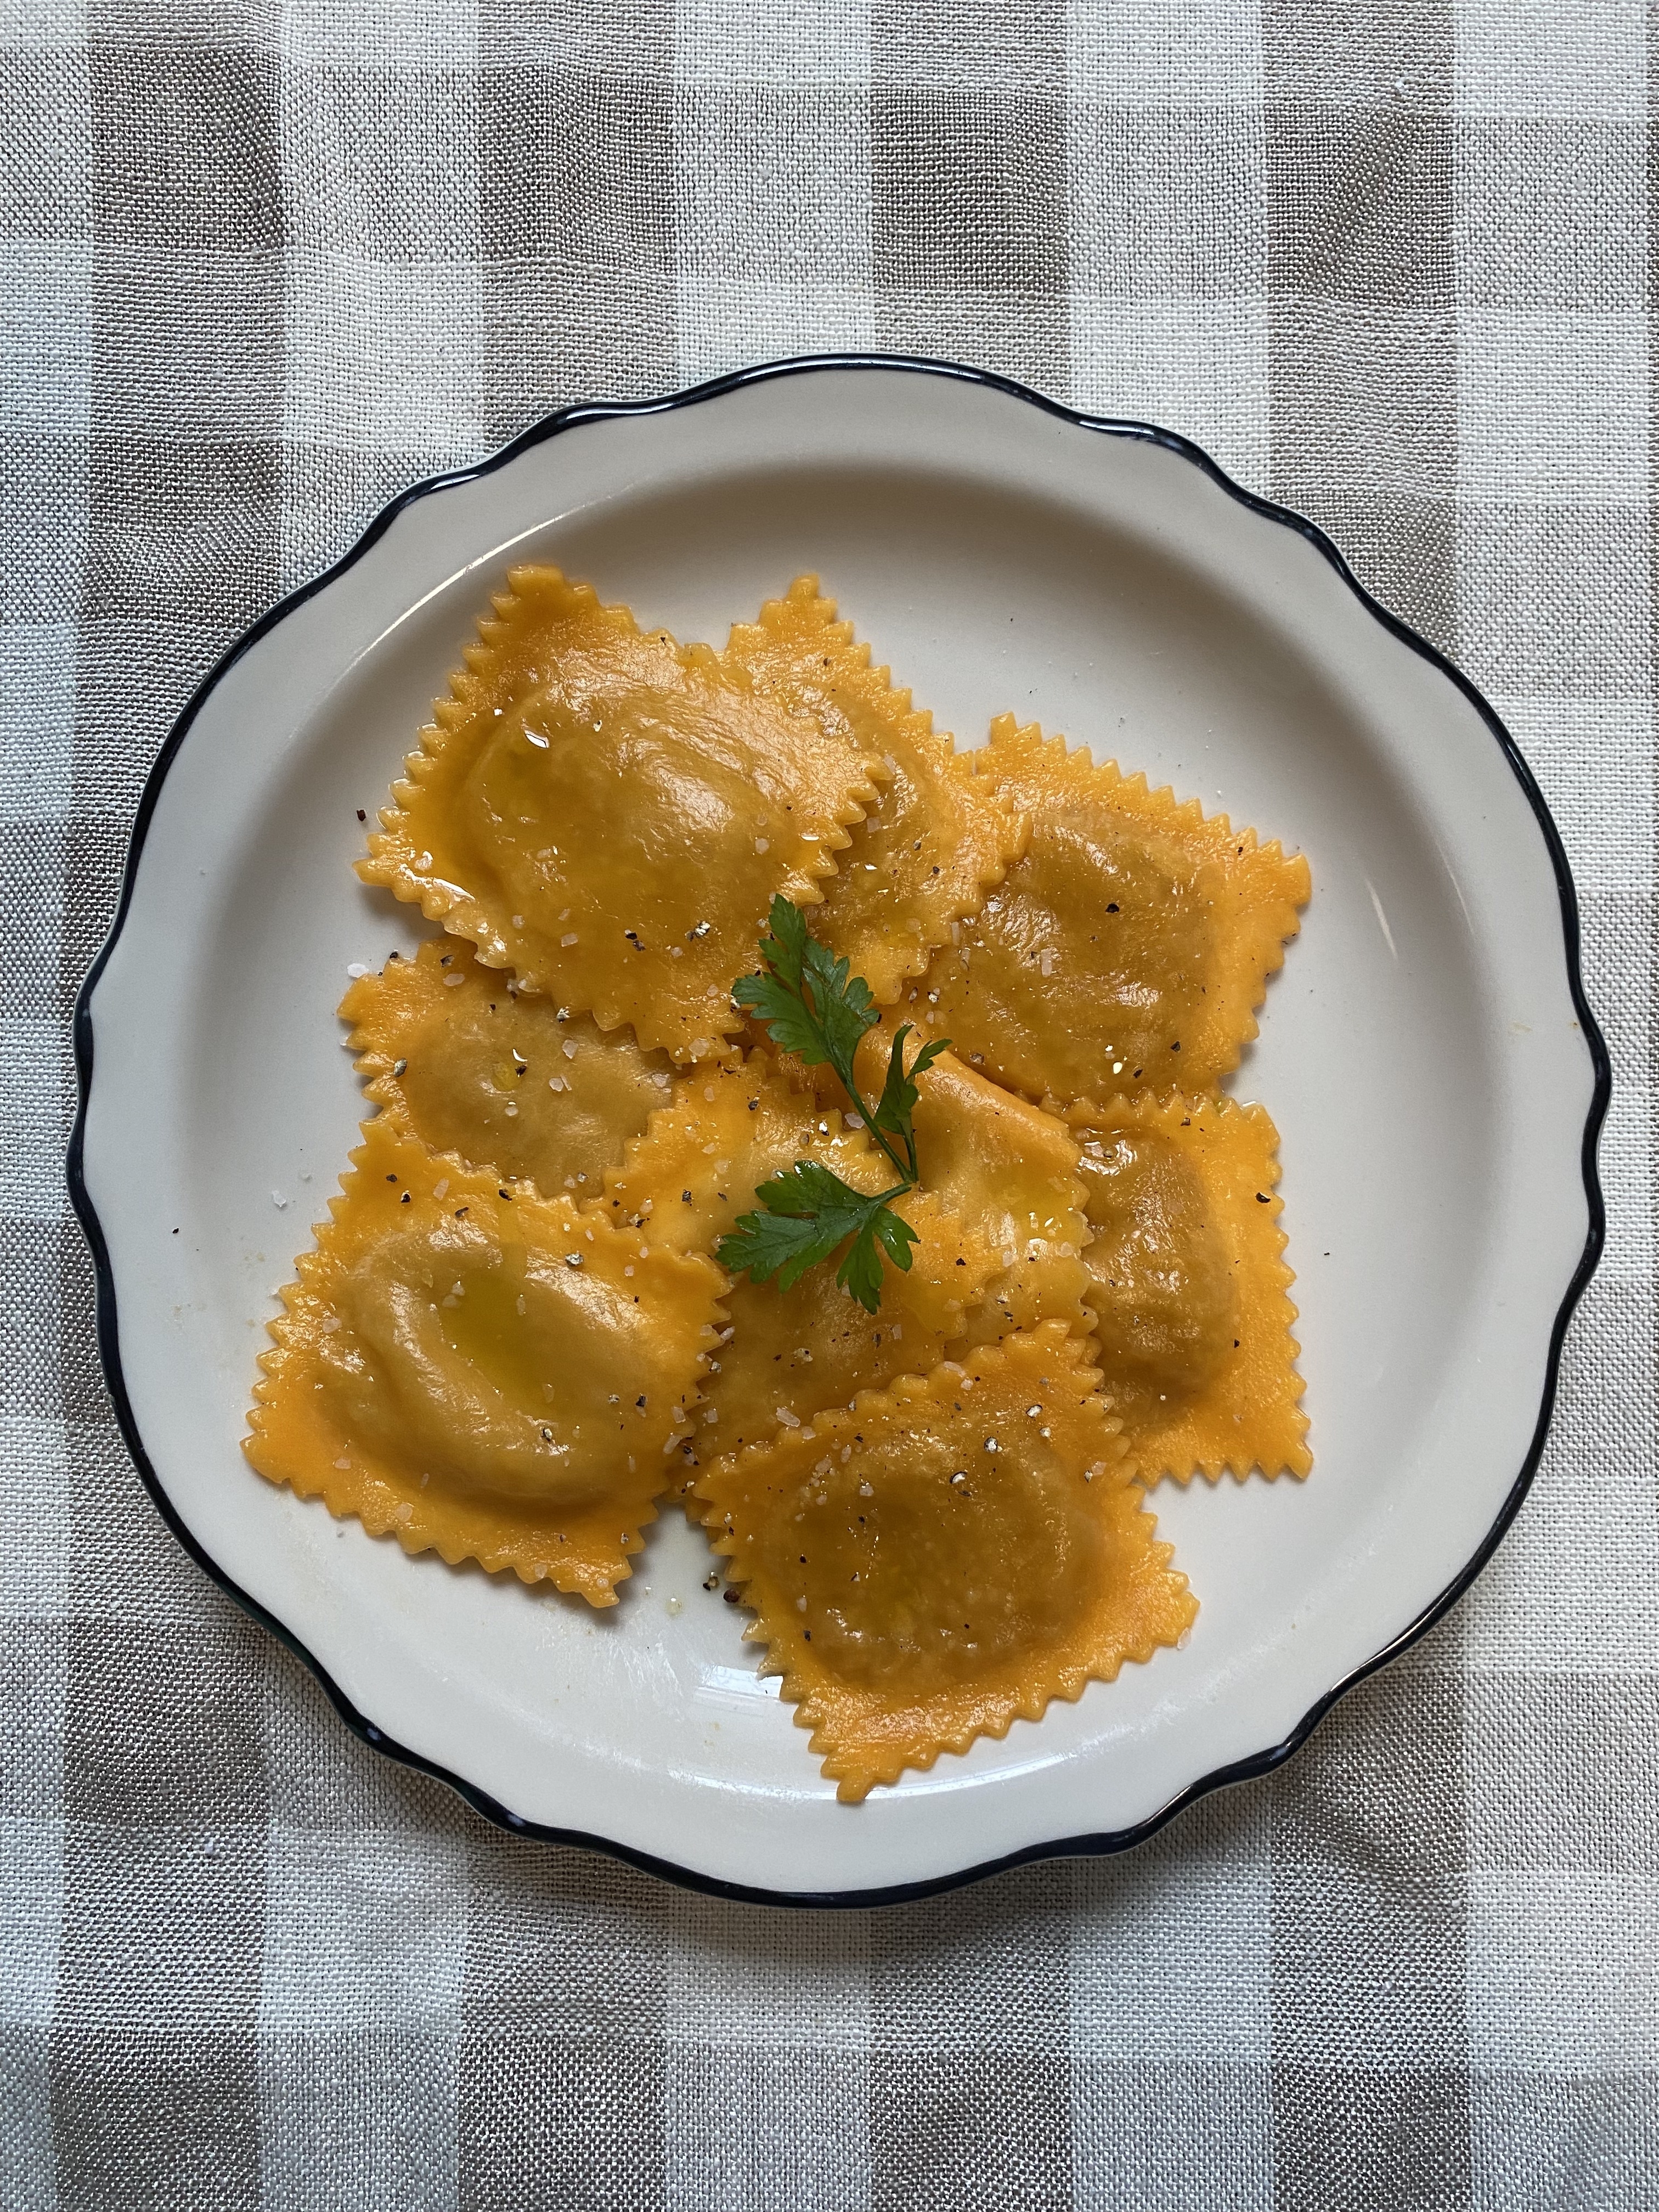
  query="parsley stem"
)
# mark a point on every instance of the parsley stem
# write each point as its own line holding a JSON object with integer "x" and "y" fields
{"x": 898, "y": 1191}
{"x": 868, "y": 1119}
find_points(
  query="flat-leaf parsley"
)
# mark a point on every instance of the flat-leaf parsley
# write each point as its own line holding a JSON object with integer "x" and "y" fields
{"x": 813, "y": 1008}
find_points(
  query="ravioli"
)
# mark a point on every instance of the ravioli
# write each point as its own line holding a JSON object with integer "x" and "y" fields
{"x": 488, "y": 1375}
{"x": 723, "y": 1130}
{"x": 1130, "y": 946}
{"x": 454, "y": 1054}
{"x": 1009, "y": 1171}
{"x": 946, "y": 1558}
{"x": 923, "y": 859}
{"x": 609, "y": 813}
{"x": 787, "y": 1353}
{"x": 1188, "y": 1286}
{"x": 1005, "y": 1169}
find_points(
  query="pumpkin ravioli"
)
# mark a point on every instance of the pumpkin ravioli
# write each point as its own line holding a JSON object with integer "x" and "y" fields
{"x": 787, "y": 1353}
{"x": 786, "y": 1356}
{"x": 487, "y": 1375}
{"x": 723, "y": 1129}
{"x": 939, "y": 835}
{"x": 1188, "y": 1286}
{"x": 1005, "y": 1169}
{"x": 1009, "y": 1171}
{"x": 454, "y": 1053}
{"x": 946, "y": 1558}
{"x": 1131, "y": 945}
{"x": 609, "y": 813}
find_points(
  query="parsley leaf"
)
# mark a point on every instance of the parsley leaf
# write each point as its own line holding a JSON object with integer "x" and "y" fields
{"x": 813, "y": 1008}
{"x": 899, "y": 1094}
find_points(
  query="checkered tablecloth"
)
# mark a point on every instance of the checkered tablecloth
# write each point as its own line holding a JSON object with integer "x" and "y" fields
{"x": 266, "y": 264}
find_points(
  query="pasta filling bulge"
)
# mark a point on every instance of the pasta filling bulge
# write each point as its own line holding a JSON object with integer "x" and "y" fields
{"x": 1189, "y": 1287}
{"x": 1129, "y": 947}
{"x": 945, "y": 1557}
{"x": 495, "y": 1377}
{"x": 507, "y": 827}
{"x": 461, "y": 1059}
{"x": 939, "y": 835}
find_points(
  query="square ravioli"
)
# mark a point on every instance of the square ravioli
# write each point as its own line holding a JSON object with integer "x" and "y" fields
{"x": 454, "y": 1054}
{"x": 946, "y": 1558}
{"x": 609, "y": 813}
{"x": 1009, "y": 1171}
{"x": 1005, "y": 1169}
{"x": 486, "y": 1375}
{"x": 1132, "y": 930}
{"x": 938, "y": 836}
{"x": 786, "y": 1356}
{"x": 1188, "y": 1286}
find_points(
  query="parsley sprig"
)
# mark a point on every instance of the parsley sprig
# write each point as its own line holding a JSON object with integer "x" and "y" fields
{"x": 813, "y": 1008}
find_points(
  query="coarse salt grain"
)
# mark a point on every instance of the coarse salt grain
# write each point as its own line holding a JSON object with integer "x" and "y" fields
{"x": 570, "y": 939}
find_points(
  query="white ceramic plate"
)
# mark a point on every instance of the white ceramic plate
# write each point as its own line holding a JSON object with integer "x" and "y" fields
{"x": 1426, "y": 1052}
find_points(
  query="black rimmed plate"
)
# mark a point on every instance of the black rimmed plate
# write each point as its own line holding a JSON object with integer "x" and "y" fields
{"x": 1427, "y": 1055}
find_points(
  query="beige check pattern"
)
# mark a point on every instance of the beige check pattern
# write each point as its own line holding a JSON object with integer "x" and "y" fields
{"x": 267, "y": 261}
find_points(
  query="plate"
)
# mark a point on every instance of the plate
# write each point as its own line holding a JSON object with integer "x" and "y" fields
{"x": 1427, "y": 1054}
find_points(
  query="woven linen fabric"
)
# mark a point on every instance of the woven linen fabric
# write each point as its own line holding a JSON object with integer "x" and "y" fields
{"x": 266, "y": 265}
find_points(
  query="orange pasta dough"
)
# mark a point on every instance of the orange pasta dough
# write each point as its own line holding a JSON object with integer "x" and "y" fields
{"x": 938, "y": 836}
{"x": 946, "y": 1557}
{"x": 787, "y": 1353}
{"x": 488, "y": 1377}
{"x": 1188, "y": 1286}
{"x": 610, "y": 814}
{"x": 1131, "y": 945}
{"x": 456, "y": 1054}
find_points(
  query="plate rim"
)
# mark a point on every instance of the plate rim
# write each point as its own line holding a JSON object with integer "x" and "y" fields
{"x": 1094, "y": 1845}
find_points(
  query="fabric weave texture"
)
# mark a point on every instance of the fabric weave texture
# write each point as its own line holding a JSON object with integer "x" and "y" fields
{"x": 266, "y": 265}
